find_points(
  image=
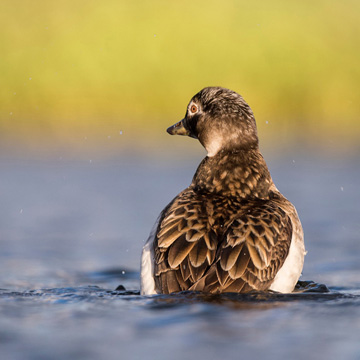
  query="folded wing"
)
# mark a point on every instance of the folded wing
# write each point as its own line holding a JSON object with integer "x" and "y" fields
{"x": 192, "y": 254}
{"x": 253, "y": 250}
{"x": 185, "y": 245}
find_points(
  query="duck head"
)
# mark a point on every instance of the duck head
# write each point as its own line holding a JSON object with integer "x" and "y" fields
{"x": 220, "y": 119}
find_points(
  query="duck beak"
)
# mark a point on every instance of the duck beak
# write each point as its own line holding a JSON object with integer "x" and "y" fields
{"x": 178, "y": 129}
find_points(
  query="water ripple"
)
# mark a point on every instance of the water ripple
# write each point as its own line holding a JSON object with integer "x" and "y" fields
{"x": 305, "y": 291}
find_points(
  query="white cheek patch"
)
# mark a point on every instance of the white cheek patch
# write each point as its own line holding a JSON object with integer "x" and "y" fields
{"x": 214, "y": 145}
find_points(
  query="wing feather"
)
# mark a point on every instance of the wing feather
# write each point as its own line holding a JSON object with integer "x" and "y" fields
{"x": 195, "y": 249}
{"x": 241, "y": 263}
{"x": 198, "y": 272}
{"x": 185, "y": 245}
{"x": 251, "y": 253}
{"x": 198, "y": 253}
{"x": 179, "y": 250}
{"x": 229, "y": 256}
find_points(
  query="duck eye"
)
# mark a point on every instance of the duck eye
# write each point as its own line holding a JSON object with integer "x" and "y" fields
{"x": 193, "y": 109}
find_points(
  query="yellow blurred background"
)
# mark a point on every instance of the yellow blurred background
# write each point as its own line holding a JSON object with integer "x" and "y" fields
{"x": 77, "y": 74}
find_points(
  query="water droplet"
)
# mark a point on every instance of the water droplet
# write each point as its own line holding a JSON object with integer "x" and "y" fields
{"x": 120, "y": 132}
{"x": 123, "y": 272}
{"x": 341, "y": 188}
{"x": 21, "y": 211}
{"x": 266, "y": 122}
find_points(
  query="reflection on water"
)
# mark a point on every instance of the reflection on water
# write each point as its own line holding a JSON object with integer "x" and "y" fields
{"x": 305, "y": 291}
{"x": 95, "y": 322}
{"x": 72, "y": 232}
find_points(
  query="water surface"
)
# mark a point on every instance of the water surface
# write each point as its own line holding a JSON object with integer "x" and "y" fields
{"x": 72, "y": 232}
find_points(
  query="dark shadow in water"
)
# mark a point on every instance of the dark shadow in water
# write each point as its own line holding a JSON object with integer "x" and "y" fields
{"x": 304, "y": 291}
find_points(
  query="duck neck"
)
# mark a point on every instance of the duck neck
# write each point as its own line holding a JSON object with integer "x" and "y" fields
{"x": 240, "y": 173}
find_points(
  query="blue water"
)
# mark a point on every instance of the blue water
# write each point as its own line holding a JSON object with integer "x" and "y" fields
{"x": 72, "y": 232}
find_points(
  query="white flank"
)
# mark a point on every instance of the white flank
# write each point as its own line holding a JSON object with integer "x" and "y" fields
{"x": 147, "y": 286}
{"x": 287, "y": 277}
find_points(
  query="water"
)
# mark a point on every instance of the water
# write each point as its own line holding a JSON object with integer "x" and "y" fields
{"x": 72, "y": 232}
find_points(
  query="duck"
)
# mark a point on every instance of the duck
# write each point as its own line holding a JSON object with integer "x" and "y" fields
{"x": 230, "y": 230}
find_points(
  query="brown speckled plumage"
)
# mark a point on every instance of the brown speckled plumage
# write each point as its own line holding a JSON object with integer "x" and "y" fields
{"x": 231, "y": 229}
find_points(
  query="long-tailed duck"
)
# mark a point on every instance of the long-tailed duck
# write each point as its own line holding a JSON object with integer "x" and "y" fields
{"x": 231, "y": 230}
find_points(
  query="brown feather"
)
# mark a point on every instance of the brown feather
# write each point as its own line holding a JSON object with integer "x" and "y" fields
{"x": 222, "y": 275}
{"x": 185, "y": 270}
{"x": 183, "y": 283}
{"x": 179, "y": 250}
{"x": 210, "y": 255}
{"x": 171, "y": 282}
{"x": 193, "y": 235}
{"x": 256, "y": 257}
{"x": 168, "y": 236}
{"x": 235, "y": 286}
{"x": 198, "y": 272}
{"x": 211, "y": 240}
{"x": 161, "y": 267}
{"x": 229, "y": 256}
{"x": 241, "y": 263}
{"x": 198, "y": 253}
{"x": 208, "y": 283}
{"x": 166, "y": 224}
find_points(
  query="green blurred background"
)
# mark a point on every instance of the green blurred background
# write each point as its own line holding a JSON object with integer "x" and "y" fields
{"x": 102, "y": 76}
